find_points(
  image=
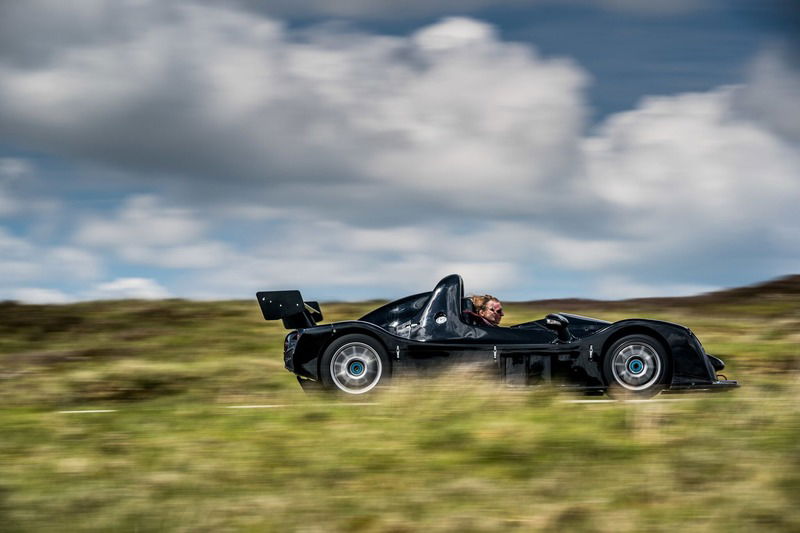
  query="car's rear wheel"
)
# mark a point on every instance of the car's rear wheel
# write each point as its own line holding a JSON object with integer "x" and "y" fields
{"x": 636, "y": 366}
{"x": 354, "y": 364}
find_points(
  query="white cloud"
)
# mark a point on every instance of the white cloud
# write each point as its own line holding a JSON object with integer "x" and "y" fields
{"x": 483, "y": 118}
{"x": 620, "y": 288}
{"x": 124, "y": 288}
{"x": 388, "y": 161}
{"x": 771, "y": 96}
{"x": 587, "y": 254}
{"x": 450, "y": 112}
{"x": 10, "y": 169}
{"x": 390, "y": 9}
{"x": 73, "y": 262}
{"x": 328, "y": 255}
{"x": 252, "y": 212}
{"x": 346, "y": 276}
{"x": 22, "y": 261}
{"x": 688, "y": 176}
{"x": 13, "y": 247}
{"x": 37, "y": 295}
{"x": 203, "y": 254}
{"x": 15, "y": 175}
{"x": 693, "y": 152}
{"x": 25, "y": 264}
{"x": 454, "y": 33}
{"x": 145, "y": 231}
{"x": 144, "y": 221}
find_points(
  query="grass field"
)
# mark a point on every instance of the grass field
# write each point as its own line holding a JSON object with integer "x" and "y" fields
{"x": 459, "y": 454}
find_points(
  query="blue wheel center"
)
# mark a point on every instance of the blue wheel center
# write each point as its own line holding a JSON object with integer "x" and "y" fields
{"x": 356, "y": 368}
{"x": 636, "y": 366}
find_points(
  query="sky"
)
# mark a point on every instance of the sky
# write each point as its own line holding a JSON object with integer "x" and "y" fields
{"x": 364, "y": 149}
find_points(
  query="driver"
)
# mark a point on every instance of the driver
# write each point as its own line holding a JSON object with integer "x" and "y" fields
{"x": 489, "y": 309}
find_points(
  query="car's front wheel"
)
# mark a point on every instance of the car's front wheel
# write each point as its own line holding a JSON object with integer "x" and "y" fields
{"x": 636, "y": 366}
{"x": 354, "y": 364}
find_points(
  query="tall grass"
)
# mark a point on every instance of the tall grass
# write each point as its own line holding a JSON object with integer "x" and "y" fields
{"x": 454, "y": 454}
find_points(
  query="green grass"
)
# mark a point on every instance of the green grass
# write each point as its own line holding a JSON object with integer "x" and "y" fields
{"x": 455, "y": 454}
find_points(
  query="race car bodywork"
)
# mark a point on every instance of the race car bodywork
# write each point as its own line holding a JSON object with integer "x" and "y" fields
{"x": 434, "y": 330}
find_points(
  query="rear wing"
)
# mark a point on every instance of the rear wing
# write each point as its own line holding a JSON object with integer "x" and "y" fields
{"x": 290, "y": 307}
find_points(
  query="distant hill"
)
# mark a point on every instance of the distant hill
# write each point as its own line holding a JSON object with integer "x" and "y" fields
{"x": 787, "y": 287}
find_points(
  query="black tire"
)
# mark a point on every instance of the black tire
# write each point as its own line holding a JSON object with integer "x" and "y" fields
{"x": 354, "y": 364}
{"x": 636, "y": 366}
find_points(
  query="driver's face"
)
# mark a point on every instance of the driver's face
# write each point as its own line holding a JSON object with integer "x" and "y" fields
{"x": 493, "y": 312}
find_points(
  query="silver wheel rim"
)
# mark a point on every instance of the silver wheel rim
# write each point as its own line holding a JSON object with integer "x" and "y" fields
{"x": 356, "y": 368}
{"x": 636, "y": 366}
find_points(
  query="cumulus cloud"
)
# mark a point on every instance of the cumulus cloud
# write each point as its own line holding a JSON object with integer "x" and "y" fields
{"x": 688, "y": 176}
{"x": 619, "y": 288}
{"x": 145, "y": 231}
{"x": 389, "y": 9}
{"x": 771, "y": 96}
{"x": 10, "y": 171}
{"x": 304, "y": 251}
{"x": 344, "y": 276}
{"x": 450, "y": 113}
{"x": 25, "y": 266}
{"x": 691, "y": 152}
{"x": 368, "y": 160}
{"x": 21, "y": 190}
{"x": 38, "y": 295}
{"x": 337, "y": 259}
{"x": 373, "y": 9}
{"x": 22, "y": 261}
{"x": 142, "y": 221}
{"x": 129, "y": 288}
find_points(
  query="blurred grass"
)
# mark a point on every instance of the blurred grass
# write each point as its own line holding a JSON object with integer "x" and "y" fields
{"x": 454, "y": 454}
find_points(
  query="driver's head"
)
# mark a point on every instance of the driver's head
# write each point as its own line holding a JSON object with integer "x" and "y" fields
{"x": 491, "y": 309}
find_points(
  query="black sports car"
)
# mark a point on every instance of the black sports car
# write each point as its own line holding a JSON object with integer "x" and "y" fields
{"x": 435, "y": 329}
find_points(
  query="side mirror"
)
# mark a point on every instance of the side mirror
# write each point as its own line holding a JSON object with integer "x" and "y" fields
{"x": 559, "y": 324}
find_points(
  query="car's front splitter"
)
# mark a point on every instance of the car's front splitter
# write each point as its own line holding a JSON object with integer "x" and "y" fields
{"x": 715, "y": 386}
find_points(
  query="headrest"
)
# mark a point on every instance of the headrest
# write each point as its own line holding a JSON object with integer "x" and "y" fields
{"x": 467, "y": 305}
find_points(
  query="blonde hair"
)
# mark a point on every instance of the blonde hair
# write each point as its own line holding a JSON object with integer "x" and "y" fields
{"x": 480, "y": 301}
